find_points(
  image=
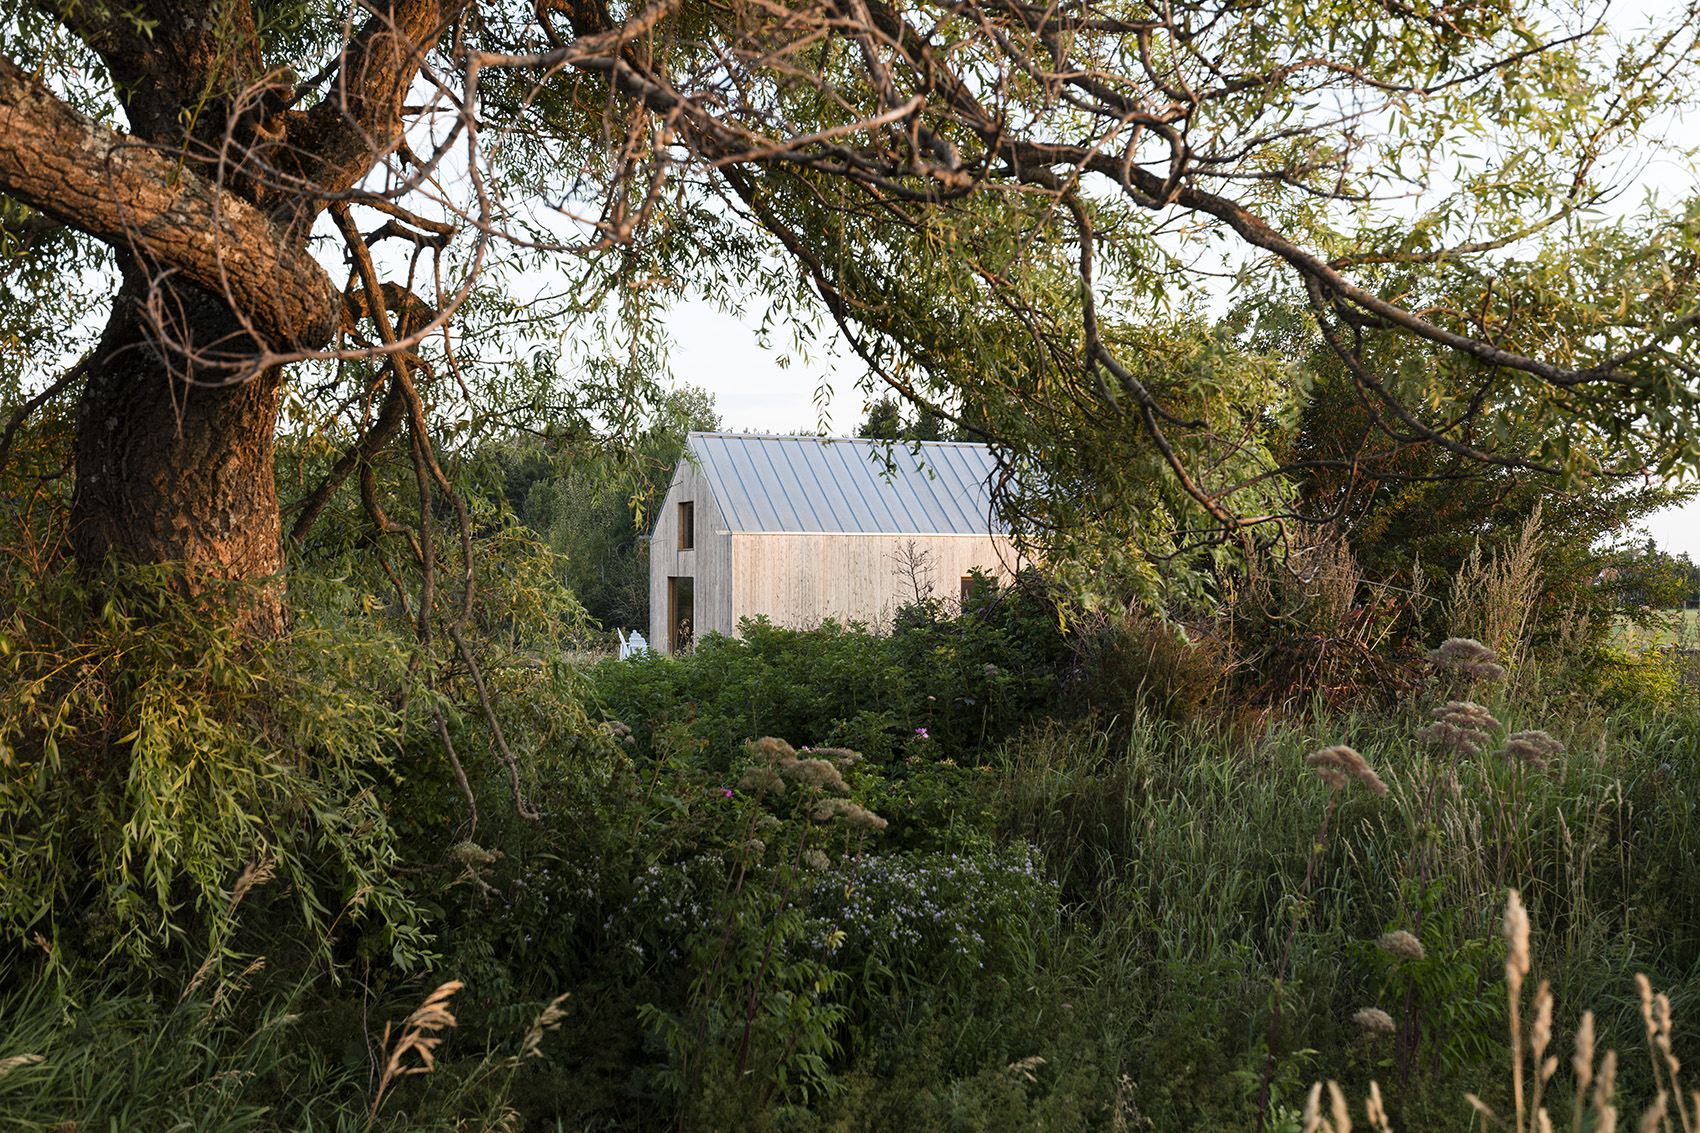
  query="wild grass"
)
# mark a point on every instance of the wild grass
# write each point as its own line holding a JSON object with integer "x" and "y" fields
{"x": 1184, "y": 860}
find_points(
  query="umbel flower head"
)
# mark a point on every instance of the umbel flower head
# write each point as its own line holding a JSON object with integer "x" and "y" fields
{"x": 1374, "y": 1020}
{"x": 856, "y": 816}
{"x": 773, "y": 750}
{"x": 1468, "y": 656}
{"x": 779, "y": 758}
{"x": 1461, "y": 725}
{"x": 1339, "y": 764}
{"x": 841, "y": 757}
{"x": 1532, "y": 748}
{"x": 757, "y": 780}
{"x": 1400, "y": 945}
{"x": 814, "y": 773}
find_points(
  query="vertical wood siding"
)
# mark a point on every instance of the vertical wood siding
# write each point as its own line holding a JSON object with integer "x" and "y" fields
{"x": 709, "y": 564}
{"x": 799, "y": 580}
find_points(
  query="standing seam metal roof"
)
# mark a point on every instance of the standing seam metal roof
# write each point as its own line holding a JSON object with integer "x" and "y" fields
{"x": 842, "y": 485}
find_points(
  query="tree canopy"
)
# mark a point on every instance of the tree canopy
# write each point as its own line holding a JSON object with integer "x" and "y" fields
{"x": 341, "y": 210}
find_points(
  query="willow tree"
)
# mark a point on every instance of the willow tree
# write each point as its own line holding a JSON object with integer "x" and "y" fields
{"x": 992, "y": 200}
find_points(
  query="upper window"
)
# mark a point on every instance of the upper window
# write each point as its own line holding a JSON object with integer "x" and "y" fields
{"x": 687, "y": 526}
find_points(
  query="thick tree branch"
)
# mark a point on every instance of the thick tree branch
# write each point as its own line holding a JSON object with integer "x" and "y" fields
{"x": 101, "y": 182}
{"x": 359, "y": 122}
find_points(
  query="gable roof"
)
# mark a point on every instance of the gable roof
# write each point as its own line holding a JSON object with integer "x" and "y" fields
{"x": 805, "y": 485}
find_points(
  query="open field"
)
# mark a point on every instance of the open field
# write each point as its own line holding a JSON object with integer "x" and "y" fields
{"x": 1680, "y": 628}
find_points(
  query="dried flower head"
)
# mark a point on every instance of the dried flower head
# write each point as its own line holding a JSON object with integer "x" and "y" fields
{"x": 773, "y": 750}
{"x": 1374, "y": 1020}
{"x": 1343, "y": 761}
{"x": 828, "y": 809}
{"x": 817, "y": 861}
{"x": 472, "y": 855}
{"x": 755, "y": 848}
{"x": 1400, "y": 945}
{"x": 767, "y": 824}
{"x": 865, "y": 819}
{"x": 856, "y": 816}
{"x": 756, "y": 780}
{"x": 1462, "y": 725}
{"x": 1468, "y": 656}
{"x": 1532, "y": 748}
{"x": 841, "y": 757}
{"x": 619, "y": 730}
{"x": 814, "y": 773}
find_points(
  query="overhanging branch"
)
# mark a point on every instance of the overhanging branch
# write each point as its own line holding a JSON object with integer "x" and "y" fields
{"x": 134, "y": 197}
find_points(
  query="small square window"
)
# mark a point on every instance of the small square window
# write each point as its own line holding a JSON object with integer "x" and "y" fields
{"x": 687, "y": 526}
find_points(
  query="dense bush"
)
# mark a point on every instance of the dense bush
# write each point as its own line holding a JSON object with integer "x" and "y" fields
{"x": 953, "y": 685}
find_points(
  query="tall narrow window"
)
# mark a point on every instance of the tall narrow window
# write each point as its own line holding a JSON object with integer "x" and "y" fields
{"x": 687, "y": 525}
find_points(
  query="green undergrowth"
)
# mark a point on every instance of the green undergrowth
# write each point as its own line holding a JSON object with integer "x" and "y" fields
{"x": 790, "y": 882}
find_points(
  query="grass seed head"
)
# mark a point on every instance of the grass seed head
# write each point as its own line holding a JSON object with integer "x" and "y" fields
{"x": 1337, "y": 1102}
{"x": 1582, "y": 1062}
{"x": 1023, "y": 1068}
{"x": 1516, "y": 941}
{"x": 1346, "y": 762}
{"x": 7, "y": 1065}
{"x": 1376, "y": 1111}
{"x": 549, "y": 1020}
{"x": 1655, "y": 1115}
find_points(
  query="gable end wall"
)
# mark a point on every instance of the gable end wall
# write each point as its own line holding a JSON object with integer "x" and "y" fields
{"x": 709, "y": 565}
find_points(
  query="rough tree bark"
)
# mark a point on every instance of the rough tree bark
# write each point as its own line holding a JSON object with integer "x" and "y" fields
{"x": 208, "y": 202}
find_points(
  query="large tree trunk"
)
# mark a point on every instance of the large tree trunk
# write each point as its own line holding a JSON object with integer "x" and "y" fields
{"x": 208, "y": 203}
{"x": 171, "y": 466}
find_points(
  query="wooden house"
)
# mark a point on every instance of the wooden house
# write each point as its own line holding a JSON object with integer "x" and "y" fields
{"x": 807, "y": 528}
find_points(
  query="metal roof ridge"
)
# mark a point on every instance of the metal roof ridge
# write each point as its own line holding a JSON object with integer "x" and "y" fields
{"x": 827, "y": 440}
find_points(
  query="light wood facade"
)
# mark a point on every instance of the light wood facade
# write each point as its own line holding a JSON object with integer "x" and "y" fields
{"x": 796, "y": 579}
